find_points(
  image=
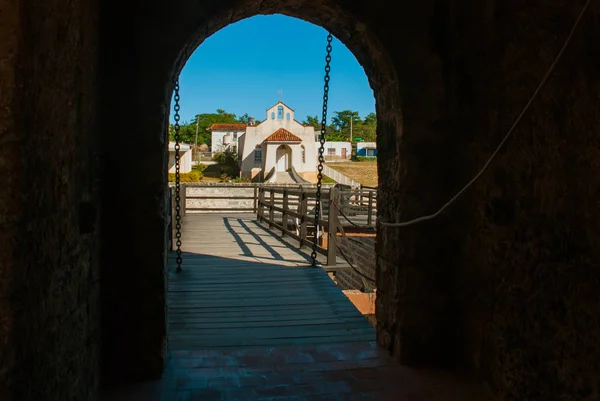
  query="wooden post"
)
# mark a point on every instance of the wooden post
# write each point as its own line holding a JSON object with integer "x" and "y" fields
{"x": 171, "y": 218}
{"x": 370, "y": 215}
{"x": 183, "y": 195}
{"x": 255, "y": 199}
{"x": 332, "y": 219}
{"x": 271, "y": 211}
{"x": 303, "y": 209}
{"x": 284, "y": 217}
{"x": 360, "y": 197}
{"x": 261, "y": 207}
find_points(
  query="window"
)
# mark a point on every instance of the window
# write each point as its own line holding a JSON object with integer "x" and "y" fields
{"x": 287, "y": 116}
{"x": 302, "y": 153}
{"x": 330, "y": 151}
{"x": 272, "y": 115}
{"x": 280, "y": 112}
{"x": 235, "y": 134}
{"x": 257, "y": 155}
{"x": 370, "y": 152}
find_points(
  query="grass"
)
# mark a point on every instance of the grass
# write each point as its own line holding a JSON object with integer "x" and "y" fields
{"x": 363, "y": 172}
{"x": 327, "y": 180}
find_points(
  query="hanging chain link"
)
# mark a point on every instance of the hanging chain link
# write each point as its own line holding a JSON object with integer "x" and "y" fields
{"x": 177, "y": 127}
{"x": 322, "y": 136}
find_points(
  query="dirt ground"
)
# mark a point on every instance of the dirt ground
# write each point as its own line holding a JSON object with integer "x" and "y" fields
{"x": 363, "y": 172}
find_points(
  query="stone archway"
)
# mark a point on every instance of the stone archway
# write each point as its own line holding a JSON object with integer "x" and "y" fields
{"x": 444, "y": 92}
{"x": 504, "y": 282}
{"x": 166, "y": 40}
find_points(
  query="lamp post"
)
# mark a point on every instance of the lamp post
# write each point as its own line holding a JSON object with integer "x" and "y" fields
{"x": 351, "y": 118}
{"x": 196, "y": 142}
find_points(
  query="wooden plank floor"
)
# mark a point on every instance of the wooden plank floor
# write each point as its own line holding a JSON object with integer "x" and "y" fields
{"x": 242, "y": 286}
{"x": 248, "y": 320}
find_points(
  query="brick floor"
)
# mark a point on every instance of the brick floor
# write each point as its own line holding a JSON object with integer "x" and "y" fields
{"x": 352, "y": 371}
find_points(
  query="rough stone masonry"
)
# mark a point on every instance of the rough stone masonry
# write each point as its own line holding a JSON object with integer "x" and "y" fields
{"x": 504, "y": 283}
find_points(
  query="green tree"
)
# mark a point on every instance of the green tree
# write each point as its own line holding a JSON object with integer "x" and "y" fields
{"x": 187, "y": 132}
{"x": 245, "y": 119}
{"x": 339, "y": 130}
{"x": 204, "y": 121}
{"x": 225, "y": 115}
{"x": 313, "y": 121}
{"x": 365, "y": 131}
{"x": 341, "y": 119}
{"x": 335, "y": 135}
{"x": 371, "y": 118}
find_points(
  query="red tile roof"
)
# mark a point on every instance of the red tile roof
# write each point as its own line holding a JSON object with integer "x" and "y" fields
{"x": 228, "y": 127}
{"x": 283, "y": 135}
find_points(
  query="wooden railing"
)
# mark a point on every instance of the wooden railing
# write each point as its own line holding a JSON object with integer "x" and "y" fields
{"x": 291, "y": 211}
{"x": 171, "y": 216}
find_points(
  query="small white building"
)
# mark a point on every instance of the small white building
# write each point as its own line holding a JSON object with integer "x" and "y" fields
{"x": 335, "y": 150}
{"x": 225, "y": 136}
{"x": 185, "y": 158}
{"x": 366, "y": 149}
{"x": 279, "y": 148}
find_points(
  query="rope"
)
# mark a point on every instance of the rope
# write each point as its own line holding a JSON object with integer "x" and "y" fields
{"x": 348, "y": 219}
{"x": 351, "y": 265}
{"x": 510, "y": 131}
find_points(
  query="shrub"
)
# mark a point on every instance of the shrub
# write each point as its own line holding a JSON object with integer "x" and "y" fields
{"x": 199, "y": 168}
{"x": 193, "y": 176}
{"x": 366, "y": 158}
{"x": 227, "y": 162}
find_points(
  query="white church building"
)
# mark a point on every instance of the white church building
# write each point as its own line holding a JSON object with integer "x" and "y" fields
{"x": 279, "y": 149}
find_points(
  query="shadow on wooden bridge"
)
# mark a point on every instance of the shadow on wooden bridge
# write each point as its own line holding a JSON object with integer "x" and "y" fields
{"x": 249, "y": 319}
{"x": 243, "y": 286}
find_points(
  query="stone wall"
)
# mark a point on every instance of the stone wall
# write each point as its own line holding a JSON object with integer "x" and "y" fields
{"x": 448, "y": 82}
{"x": 49, "y": 307}
{"x": 528, "y": 277}
{"x": 511, "y": 269}
{"x": 219, "y": 205}
{"x": 504, "y": 282}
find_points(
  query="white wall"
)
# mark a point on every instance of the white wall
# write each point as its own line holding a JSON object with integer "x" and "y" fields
{"x": 269, "y": 156}
{"x": 362, "y": 145}
{"x": 216, "y": 141}
{"x": 338, "y": 146}
{"x": 220, "y": 140}
{"x": 185, "y": 160}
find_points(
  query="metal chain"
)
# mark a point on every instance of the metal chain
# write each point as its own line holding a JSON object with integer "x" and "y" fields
{"x": 177, "y": 178}
{"x": 313, "y": 254}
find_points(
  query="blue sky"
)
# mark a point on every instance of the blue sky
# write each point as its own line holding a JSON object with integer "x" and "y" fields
{"x": 242, "y": 67}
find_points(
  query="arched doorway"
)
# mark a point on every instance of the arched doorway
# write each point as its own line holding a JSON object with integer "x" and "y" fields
{"x": 165, "y": 45}
{"x": 166, "y": 38}
{"x": 284, "y": 157}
